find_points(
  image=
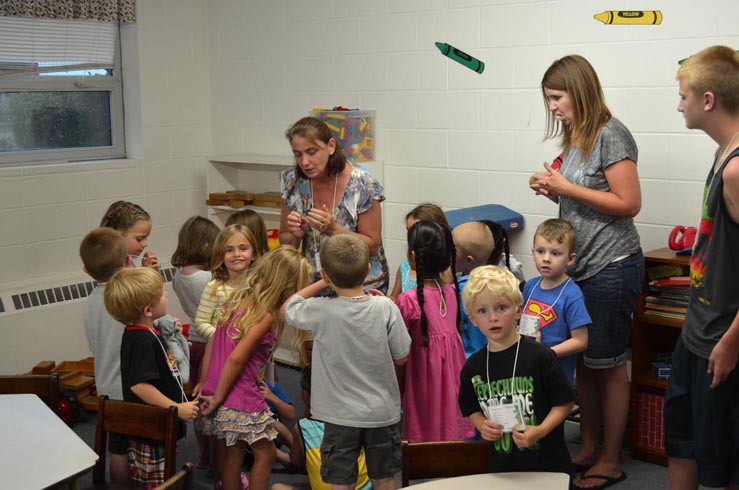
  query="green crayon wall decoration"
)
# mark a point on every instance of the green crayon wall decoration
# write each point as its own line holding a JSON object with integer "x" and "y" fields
{"x": 461, "y": 57}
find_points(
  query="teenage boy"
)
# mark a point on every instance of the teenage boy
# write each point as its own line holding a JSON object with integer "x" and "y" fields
{"x": 514, "y": 391}
{"x": 554, "y": 307}
{"x": 136, "y": 297}
{"x": 103, "y": 252}
{"x": 357, "y": 340}
{"x": 702, "y": 401}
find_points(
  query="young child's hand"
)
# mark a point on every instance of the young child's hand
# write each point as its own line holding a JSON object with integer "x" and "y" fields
{"x": 150, "y": 260}
{"x": 177, "y": 323}
{"x": 207, "y": 405}
{"x": 266, "y": 392}
{"x": 490, "y": 430}
{"x": 188, "y": 411}
{"x": 375, "y": 292}
{"x": 527, "y": 438}
{"x": 197, "y": 390}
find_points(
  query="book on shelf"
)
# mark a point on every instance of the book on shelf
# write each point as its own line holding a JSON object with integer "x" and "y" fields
{"x": 666, "y": 300}
{"x": 666, "y": 314}
{"x": 671, "y": 281}
{"x": 660, "y": 271}
{"x": 660, "y": 307}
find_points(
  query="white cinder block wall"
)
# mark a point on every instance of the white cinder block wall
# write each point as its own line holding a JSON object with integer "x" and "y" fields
{"x": 45, "y": 211}
{"x": 229, "y": 76}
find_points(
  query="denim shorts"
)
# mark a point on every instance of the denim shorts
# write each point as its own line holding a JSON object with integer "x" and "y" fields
{"x": 341, "y": 446}
{"x": 610, "y": 297}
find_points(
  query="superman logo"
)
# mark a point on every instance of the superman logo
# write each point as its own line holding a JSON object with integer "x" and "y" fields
{"x": 545, "y": 312}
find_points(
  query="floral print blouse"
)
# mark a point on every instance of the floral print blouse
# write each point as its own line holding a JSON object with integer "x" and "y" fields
{"x": 359, "y": 193}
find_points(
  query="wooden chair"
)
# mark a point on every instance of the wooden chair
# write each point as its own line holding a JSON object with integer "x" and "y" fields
{"x": 46, "y": 386}
{"x": 443, "y": 459}
{"x": 182, "y": 480}
{"x": 135, "y": 420}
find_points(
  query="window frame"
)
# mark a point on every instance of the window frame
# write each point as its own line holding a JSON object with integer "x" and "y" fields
{"x": 59, "y": 83}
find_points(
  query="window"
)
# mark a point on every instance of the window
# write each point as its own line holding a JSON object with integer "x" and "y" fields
{"x": 60, "y": 90}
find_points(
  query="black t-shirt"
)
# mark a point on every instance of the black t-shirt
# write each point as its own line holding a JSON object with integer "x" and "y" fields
{"x": 539, "y": 384}
{"x": 146, "y": 358}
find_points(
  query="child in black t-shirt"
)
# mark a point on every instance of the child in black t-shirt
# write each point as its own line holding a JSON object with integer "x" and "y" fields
{"x": 136, "y": 297}
{"x": 514, "y": 390}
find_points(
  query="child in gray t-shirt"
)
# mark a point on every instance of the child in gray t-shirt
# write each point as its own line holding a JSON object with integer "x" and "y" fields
{"x": 358, "y": 339}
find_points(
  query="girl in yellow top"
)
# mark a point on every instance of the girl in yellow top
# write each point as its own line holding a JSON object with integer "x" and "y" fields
{"x": 235, "y": 250}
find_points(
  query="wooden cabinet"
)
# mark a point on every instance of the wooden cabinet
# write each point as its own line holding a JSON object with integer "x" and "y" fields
{"x": 651, "y": 334}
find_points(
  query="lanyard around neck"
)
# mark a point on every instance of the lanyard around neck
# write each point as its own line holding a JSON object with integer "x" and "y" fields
{"x": 551, "y": 307}
{"x": 513, "y": 375}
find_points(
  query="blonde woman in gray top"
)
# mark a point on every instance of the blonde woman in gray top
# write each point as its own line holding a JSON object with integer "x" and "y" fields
{"x": 597, "y": 189}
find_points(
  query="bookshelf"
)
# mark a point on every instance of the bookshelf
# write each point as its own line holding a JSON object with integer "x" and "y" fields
{"x": 653, "y": 333}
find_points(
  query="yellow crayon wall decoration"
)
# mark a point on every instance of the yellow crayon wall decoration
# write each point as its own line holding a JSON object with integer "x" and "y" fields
{"x": 631, "y": 17}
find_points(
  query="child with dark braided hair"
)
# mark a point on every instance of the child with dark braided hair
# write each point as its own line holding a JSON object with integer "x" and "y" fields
{"x": 431, "y": 313}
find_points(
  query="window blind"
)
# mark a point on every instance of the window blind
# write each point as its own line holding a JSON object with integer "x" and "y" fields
{"x": 25, "y": 40}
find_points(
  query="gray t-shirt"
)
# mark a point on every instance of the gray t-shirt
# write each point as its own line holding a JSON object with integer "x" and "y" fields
{"x": 601, "y": 238}
{"x": 104, "y": 336}
{"x": 355, "y": 342}
{"x": 189, "y": 288}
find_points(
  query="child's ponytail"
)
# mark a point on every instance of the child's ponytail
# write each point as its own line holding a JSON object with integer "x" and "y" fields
{"x": 434, "y": 252}
{"x": 419, "y": 293}
{"x": 500, "y": 244}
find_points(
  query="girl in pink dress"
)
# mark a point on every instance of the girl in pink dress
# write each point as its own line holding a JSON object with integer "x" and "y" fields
{"x": 250, "y": 325}
{"x": 431, "y": 313}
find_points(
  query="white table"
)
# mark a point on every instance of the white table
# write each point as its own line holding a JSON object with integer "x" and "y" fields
{"x": 533, "y": 480}
{"x": 37, "y": 449}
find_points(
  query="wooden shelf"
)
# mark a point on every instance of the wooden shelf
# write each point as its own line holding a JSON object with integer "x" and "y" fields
{"x": 649, "y": 379}
{"x": 650, "y": 334}
{"x": 664, "y": 321}
{"x": 650, "y": 454}
{"x": 255, "y": 159}
{"x": 666, "y": 256}
{"x": 258, "y": 209}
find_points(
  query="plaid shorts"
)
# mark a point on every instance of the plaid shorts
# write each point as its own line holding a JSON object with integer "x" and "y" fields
{"x": 146, "y": 464}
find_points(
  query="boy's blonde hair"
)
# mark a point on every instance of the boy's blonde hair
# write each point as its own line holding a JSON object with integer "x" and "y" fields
{"x": 218, "y": 268}
{"x": 498, "y": 280}
{"x": 122, "y": 215}
{"x": 130, "y": 290}
{"x": 714, "y": 69}
{"x": 345, "y": 258}
{"x": 558, "y": 230}
{"x": 473, "y": 239}
{"x": 103, "y": 252}
{"x": 269, "y": 283}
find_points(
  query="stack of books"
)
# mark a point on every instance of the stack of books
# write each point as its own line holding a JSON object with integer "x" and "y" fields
{"x": 669, "y": 290}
